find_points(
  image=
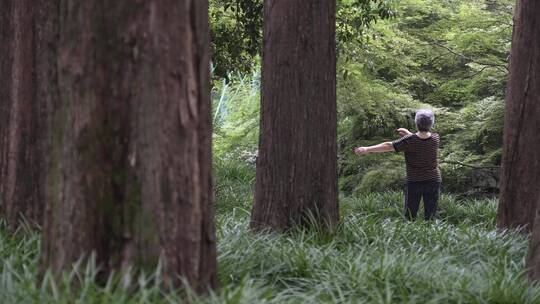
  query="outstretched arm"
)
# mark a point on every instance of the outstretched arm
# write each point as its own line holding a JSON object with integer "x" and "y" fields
{"x": 380, "y": 148}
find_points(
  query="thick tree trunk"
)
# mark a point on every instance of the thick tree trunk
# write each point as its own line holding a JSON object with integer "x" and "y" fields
{"x": 520, "y": 201}
{"x": 296, "y": 169}
{"x": 533, "y": 258}
{"x": 27, "y": 28}
{"x": 130, "y": 176}
{"x": 521, "y": 160}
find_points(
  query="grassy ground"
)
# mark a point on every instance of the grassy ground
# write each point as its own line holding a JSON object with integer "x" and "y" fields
{"x": 374, "y": 256}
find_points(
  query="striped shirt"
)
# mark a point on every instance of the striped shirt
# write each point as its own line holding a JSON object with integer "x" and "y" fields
{"x": 420, "y": 157}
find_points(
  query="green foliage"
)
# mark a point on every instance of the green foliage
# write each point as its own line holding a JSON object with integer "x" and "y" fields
{"x": 369, "y": 107}
{"x": 236, "y": 29}
{"x": 447, "y": 56}
{"x": 382, "y": 180}
{"x": 353, "y": 17}
{"x": 236, "y": 118}
{"x": 442, "y": 52}
{"x": 234, "y": 188}
{"x": 373, "y": 256}
{"x": 369, "y": 112}
{"x": 450, "y": 56}
{"x": 482, "y": 123}
{"x": 475, "y": 137}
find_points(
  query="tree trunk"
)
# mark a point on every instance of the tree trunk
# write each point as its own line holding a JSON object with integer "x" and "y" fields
{"x": 26, "y": 63}
{"x": 520, "y": 199}
{"x": 297, "y": 164}
{"x": 521, "y": 160}
{"x": 533, "y": 258}
{"x": 130, "y": 175}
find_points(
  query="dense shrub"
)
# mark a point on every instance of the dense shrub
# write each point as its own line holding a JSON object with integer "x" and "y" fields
{"x": 381, "y": 180}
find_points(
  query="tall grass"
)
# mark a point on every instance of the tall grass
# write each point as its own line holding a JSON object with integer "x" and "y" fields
{"x": 373, "y": 256}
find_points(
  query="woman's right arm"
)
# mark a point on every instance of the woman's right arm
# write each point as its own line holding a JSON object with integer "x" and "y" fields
{"x": 380, "y": 148}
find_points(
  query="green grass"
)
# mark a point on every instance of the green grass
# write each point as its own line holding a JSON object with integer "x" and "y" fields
{"x": 373, "y": 256}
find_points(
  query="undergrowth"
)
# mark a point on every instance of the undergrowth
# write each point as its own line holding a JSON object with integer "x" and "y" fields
{"x": 373, "y": 256}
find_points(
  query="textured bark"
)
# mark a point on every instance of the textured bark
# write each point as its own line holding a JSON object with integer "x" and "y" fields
{"x": 520, "y": 199}
{"x": 520, "y": 186}
{"x": 27, "y": 30}
{"x": 533, "y": 258}
{"x": 296, "y": 169}
{"x": 130, "y": 176}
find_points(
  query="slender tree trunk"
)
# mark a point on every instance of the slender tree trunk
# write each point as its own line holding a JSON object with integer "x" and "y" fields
{"x": 296, "y": 169}
{"x": 130, "y": 175}
{"x": 25, "y": 66}
{"x": 521, "y": 160}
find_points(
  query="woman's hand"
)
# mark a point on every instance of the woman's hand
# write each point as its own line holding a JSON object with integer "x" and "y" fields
{"x": 361, "y": 150}
{"x": 403, "y": 132}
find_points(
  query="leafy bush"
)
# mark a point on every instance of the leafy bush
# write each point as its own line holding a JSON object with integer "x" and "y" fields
{"x": 381, "y": 180}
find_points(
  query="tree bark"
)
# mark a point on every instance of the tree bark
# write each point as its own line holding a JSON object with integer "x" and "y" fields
{"x": 533, "y": 258}
{"x": 297, "y": 164}
{"x": 26, "y": 65}
{"x": 520, "y": 174}
{"x": 130, "y": 172}
{"x": 520, "y": 205}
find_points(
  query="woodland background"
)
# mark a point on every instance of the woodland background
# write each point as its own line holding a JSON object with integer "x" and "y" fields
{"x": 393, "y": 57}
{"x": 450, "y": 56}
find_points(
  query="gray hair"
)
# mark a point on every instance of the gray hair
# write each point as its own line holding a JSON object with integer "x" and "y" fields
{"x": 424, "y": 120}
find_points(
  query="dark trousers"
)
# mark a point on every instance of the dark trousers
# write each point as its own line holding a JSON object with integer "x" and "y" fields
{"x": 415, "y": 191}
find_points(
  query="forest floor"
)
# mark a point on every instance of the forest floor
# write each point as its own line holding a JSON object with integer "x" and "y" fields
{"x": 374, "y": 256}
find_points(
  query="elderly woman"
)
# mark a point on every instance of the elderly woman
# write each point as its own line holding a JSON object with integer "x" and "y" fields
{"x": 423, "y": 174}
